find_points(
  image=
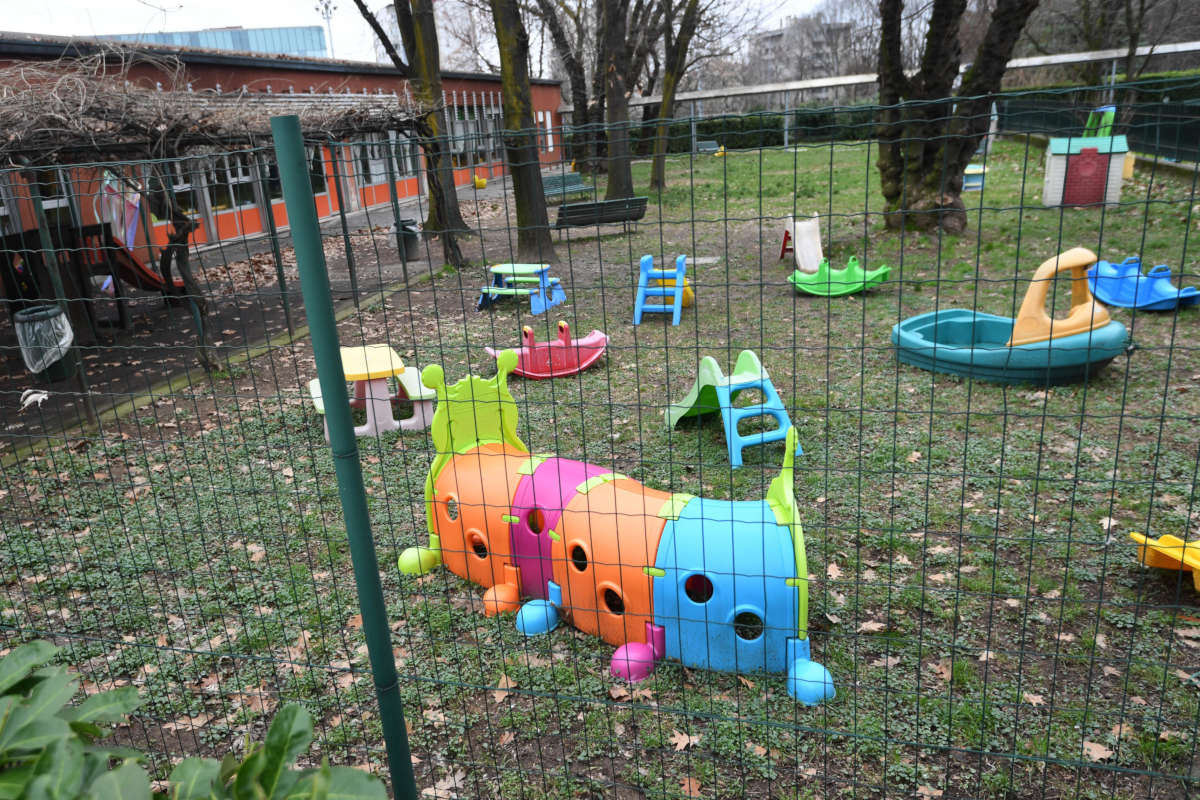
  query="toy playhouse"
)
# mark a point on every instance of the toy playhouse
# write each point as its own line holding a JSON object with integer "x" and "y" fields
{"x": 1084, "y": 170}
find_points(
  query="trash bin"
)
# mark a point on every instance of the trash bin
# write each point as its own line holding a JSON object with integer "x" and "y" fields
{"x": 408, "y": 239}
{"x": 45, "y": 336}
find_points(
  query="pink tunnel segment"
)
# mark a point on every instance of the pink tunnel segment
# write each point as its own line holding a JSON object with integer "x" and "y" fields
{"x": 538, "y": 504}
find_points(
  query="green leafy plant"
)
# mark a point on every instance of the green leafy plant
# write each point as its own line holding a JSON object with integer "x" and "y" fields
{"x": 266, "y": 771}
{"x": 49, "y": 750}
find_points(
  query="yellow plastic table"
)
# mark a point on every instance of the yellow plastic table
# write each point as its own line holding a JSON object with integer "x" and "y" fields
{"x": 370, "y": 366}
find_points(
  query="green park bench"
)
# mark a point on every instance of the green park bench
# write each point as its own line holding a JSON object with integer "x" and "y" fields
{"x": 601, "y": 212}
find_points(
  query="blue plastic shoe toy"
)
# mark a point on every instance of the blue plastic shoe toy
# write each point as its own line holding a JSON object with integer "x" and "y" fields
{"x": 1124, "y": 285}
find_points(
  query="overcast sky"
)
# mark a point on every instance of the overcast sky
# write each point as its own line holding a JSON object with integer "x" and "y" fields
{"x": 352, "y": 38}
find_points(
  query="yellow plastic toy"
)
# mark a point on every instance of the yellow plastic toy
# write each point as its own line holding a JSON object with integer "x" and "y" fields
{"x": 720, "y": 153}
{"x": 689, "y": 296}
{"x": 480, "y": 182}
{"x": 1034, "y": 324}
{"x": 1169, "y": 552}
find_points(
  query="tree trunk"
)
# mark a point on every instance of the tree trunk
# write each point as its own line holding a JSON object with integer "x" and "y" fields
{"x": 676, "y": 62}
{"x": 616, "y": 100}
{"x": 926, "y": 135}
{"x": 418, "y": 32}
{"x": 163, "y": 204}
{"x": 534, "y": 244}
{"x": 579, "y": 143}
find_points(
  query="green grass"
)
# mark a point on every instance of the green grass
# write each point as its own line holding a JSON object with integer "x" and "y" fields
{"x": 195, "y": 549}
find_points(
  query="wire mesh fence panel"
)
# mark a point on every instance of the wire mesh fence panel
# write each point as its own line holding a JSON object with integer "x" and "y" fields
{"x": 929, "y": 589}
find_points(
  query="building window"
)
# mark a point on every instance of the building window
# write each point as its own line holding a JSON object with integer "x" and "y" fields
{"x": 56, "y": 201}
{"x": 236, "y": 172}
{"x": 181, "y": 187}
{"x": 274, "y": 187}
{"x": 372, "y": 156}
{"x": 316, "y": 169}
{"x": 410, "y": 152}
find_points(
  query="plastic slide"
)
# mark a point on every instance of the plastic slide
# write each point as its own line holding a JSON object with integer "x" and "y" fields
{"x": 1169, "y": 552}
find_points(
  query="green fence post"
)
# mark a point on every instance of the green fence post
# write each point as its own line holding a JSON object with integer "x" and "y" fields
{"x": 272, "y": 231}
{"x": 50, "y": 262}
{"x": 318, "y": 301}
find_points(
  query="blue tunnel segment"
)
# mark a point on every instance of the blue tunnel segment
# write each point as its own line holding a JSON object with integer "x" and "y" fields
{"x": 723, "y": 596}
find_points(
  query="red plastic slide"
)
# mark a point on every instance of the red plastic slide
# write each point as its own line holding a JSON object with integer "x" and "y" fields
{"x": 100, "y": 249}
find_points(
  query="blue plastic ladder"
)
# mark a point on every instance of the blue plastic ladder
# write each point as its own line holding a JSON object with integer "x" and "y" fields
{"x": 673, "y": 292}
{"x": 772, "y": 406}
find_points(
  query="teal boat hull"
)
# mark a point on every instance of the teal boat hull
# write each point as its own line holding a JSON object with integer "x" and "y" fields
{"x": 975, "y": 345}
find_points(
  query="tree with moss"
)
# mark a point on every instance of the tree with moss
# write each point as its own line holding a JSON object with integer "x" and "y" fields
{"x": 418, "y": 34}
{"x": 534, "y": 244}
{"x": 928, "y": 132}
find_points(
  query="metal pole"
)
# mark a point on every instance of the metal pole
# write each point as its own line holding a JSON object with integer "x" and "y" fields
{"x": 50, "y": 261}
{"x": 395, "y": 201}
{"x": 268, "y": 213}
{"x": 336, "y": 156}
{"x": 693, "y": 126}
{"x": 314, "y": 283}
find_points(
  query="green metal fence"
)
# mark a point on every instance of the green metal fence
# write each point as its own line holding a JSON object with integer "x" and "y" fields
{"x": 971, "y": 582}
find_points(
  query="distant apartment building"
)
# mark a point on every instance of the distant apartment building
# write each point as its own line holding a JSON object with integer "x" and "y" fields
{"x": 307, "y": 41}
{"x": 801, "y": 48}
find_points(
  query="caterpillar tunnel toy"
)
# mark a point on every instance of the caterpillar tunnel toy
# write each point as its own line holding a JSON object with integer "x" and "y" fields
{"x": 713, "y": 584}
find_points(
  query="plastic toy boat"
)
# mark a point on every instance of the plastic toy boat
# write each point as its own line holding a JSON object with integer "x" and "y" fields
{"x": 826, "y": 282}
{"x": 566, "y": 356}
{"x": 1124, "y": 285}
{"x": 1031, "y": 349}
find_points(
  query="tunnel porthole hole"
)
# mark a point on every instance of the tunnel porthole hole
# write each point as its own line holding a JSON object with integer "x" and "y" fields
{"x": 536, "y": 520}
{"x": 699, "y": 588}
{"x": 478, "y": 545}
{"x": 748, "y": 626}
{"x": 579, "y": 558}
{"x": 613, "y": 602}
{"x": 451, "y": 508}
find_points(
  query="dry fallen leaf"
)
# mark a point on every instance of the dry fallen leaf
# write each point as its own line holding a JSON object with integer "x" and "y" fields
{"x": 1065, "y": 637}
{"x": 986, "y": 656}
{"x": 446, "y": 788}
{"x": 506, "y": 738}
{"x": 757, "y": 749}
{"x": 1107, "y": 522}
{"x": 683, "y": 741}
{"x": 355, "y": 622}
{"x": 1111, "y": 672}
{"x": 833, "y": 571}
{"x": 1122, "y": 730}
{"x": 1101, "y": 641}
{"x": 618, "y": 693}
{"x": 749, "y": 684}
{"x": 928, "y": 791}
{"x": 690, "y": 787}
{"x": 870, "y": 626}
{"x": 1034, "y": 699}
{"x": 502, "y": 686}
{"x": 886, "y": 661}
{"x": 914, "y": 457}
{"x": 943, "y": 669}
{"x": 1096, "y": 751}
{"x": 1012, "y": 602}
